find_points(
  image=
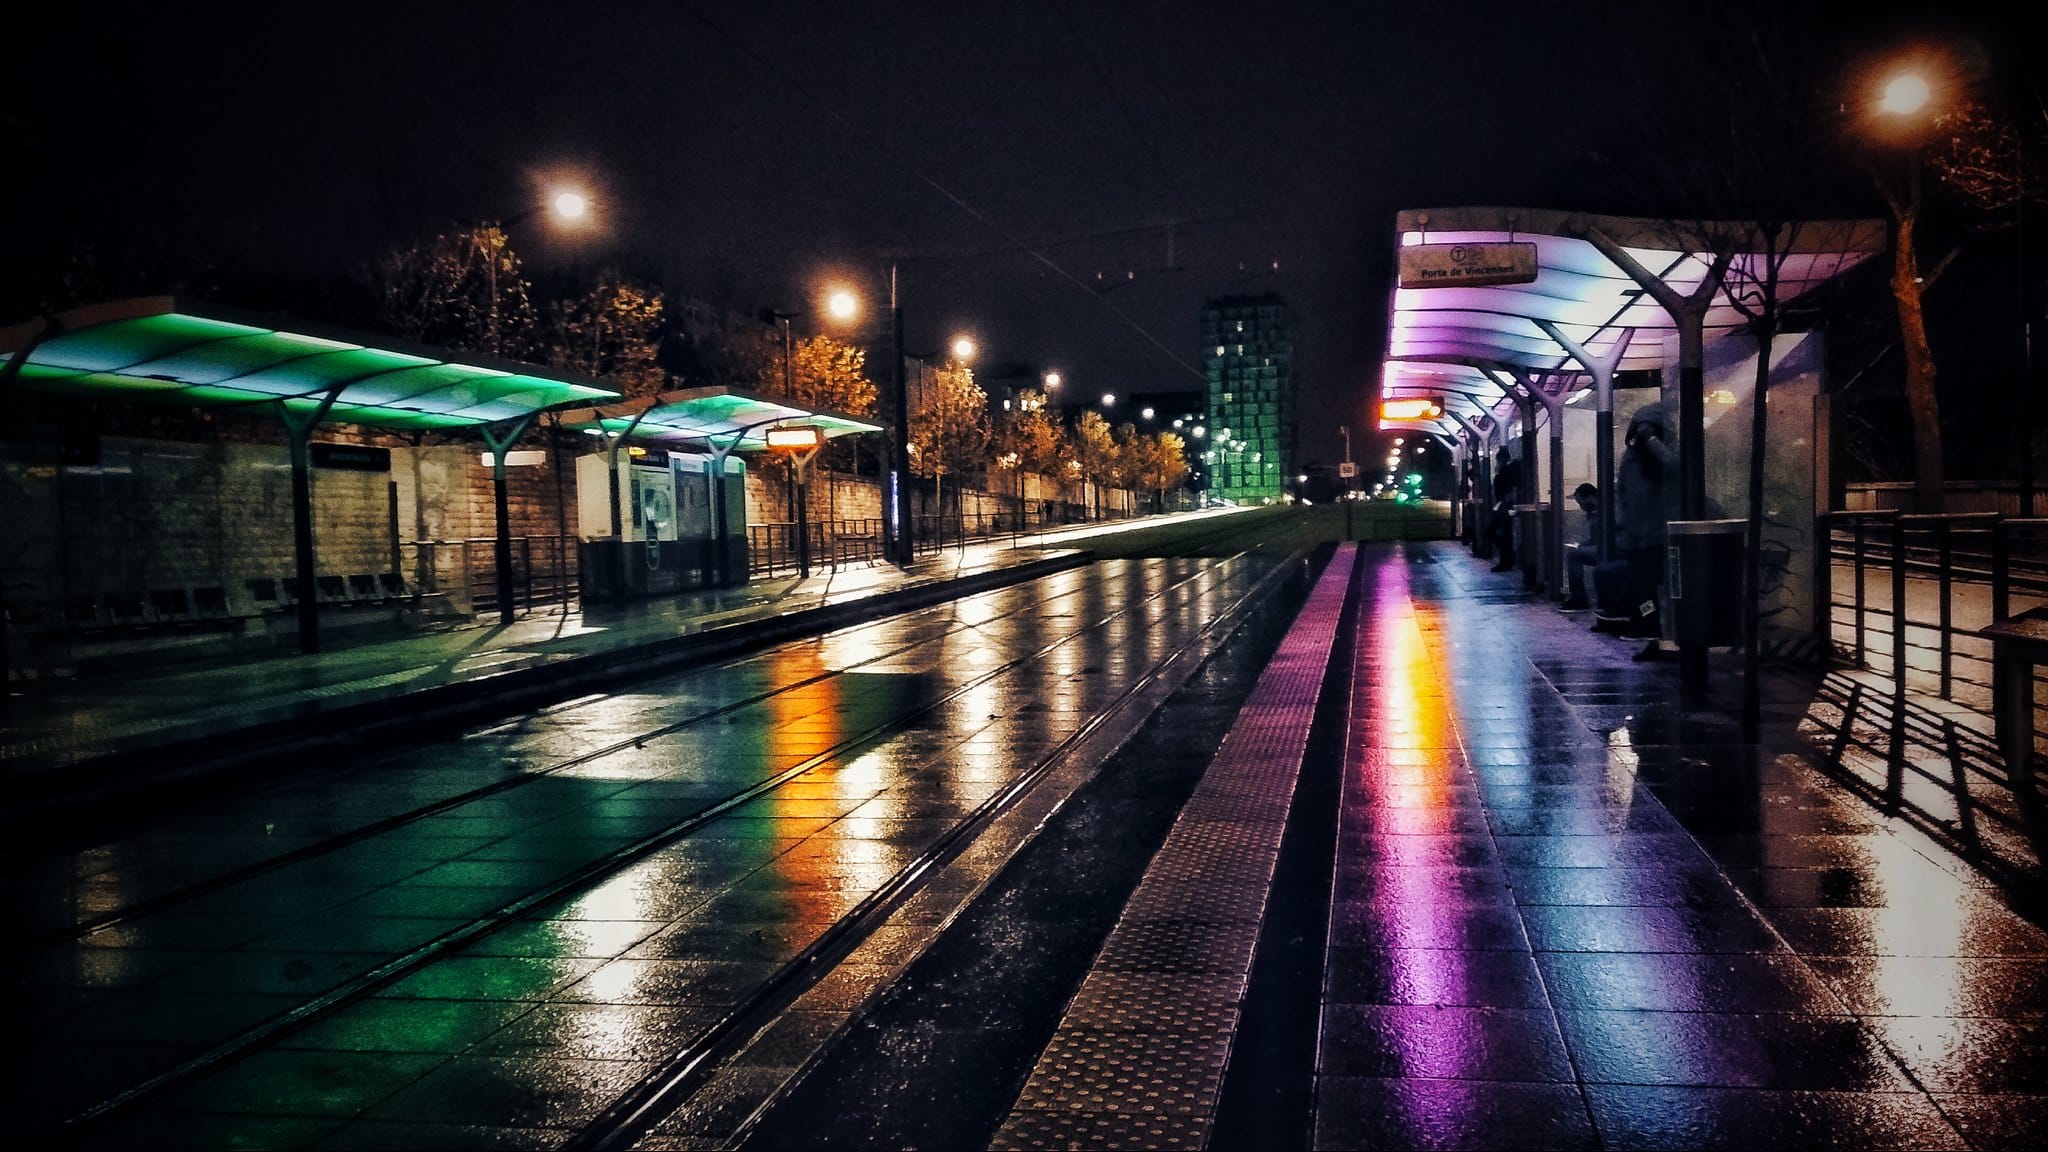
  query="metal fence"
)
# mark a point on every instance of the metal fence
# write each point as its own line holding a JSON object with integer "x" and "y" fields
{"x": 772, "y": 551}
{"x": 1910, "y": 592}
{"x": 465, "y": 572}
{"x": 1907, "y": 596}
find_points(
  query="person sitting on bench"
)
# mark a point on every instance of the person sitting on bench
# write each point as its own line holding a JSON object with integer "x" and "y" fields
{"x": 1581, "y": 557}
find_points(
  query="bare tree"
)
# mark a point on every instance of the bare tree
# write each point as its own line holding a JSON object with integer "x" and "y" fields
{"x": 465, "y": 289}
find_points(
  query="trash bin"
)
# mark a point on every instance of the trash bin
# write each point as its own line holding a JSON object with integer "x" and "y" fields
{"x": 1532, "y": 542}
{"x": 1703, "y": 576}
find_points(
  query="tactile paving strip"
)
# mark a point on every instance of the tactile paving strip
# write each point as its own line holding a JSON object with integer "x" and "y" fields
{"x": 1142, "y": 1072}
{"x": 1031, "y": 1131}
{"x": 1178, "y": 946}
{"x": 1138, "y": 1060}
{"x": 1175, "y": 1002}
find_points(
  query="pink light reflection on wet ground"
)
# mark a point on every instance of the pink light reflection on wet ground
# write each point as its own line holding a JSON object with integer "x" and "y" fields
{"x": 1569, "y": 915}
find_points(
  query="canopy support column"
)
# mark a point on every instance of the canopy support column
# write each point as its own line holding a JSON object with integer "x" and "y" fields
{"x": 1482, "y": 477}
{"x": 1689, "y": 314}
{"x": 299, "y": 428}
{"x": 800, "y": 464}
{"x": 499, "y": 442}
{"x": 1552, "y": 399}
{"x": 618, "y": 570}
{"x": 1603, "y": 369}
{"x": 714, "y": 485}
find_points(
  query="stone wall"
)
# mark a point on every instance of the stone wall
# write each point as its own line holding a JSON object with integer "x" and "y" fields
{"x": 134, "y": 514}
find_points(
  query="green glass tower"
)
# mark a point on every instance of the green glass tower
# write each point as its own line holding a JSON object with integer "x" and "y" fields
{"x": 1248, "y": 358}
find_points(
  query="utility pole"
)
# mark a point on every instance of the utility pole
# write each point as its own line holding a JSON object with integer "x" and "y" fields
{"x": 795, "y": 491}
{"x": 898, "y": 494}
{"x": 1348, "y": 470}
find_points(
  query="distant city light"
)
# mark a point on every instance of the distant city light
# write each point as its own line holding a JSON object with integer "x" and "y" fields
{"x": 1146, "y": 413}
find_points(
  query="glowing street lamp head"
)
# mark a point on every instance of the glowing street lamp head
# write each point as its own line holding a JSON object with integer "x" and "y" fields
{"x": 570, "y": 206}
{"x": 1052, "y": 381}
{"x": 1905, "y": 94}
{"x": 842, "y": 305}
{"x": 1109, "y": 399}
{"x": 1146, "y": 413}
{"x": 963, "y": 348}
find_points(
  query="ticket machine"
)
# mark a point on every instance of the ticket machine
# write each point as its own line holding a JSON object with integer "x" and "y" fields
{"x": 646, "y": 528}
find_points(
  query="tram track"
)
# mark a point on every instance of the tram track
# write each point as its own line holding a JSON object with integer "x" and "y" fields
{"x": 108, "y": 920}
{"x": 659, "y": 1090}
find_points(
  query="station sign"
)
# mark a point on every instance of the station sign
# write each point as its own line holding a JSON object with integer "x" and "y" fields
{"x": 350, "y": 457}
{"x": 1412, "y": 408}
{"x": 794, "y": 439}
{"x": 1467, "y": 265}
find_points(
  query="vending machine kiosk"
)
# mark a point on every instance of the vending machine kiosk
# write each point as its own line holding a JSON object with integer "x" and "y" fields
{"x": 646, "y": 526}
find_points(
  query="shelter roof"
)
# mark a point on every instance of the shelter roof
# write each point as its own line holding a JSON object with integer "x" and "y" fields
{"x": 169, "y": 350}
{"x": 1460, "y": 340}
{"x": 715, "y": 416}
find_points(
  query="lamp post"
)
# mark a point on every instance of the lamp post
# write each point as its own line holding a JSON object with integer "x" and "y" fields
{"x": 899, "y": 546}
{"x": 565, "y": 207}
{"x": 1349, "y": 471}
{"x": 789, "y": 393}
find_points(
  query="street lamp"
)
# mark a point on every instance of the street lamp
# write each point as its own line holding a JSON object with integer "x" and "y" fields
{"x": 1905, "y": 94}
{"x": 1052, "y": 382}
{"x": 963, "y": 348}
{"x": 843, "y": 305}
{"x": 1109, "y": 399}
{"x": 565, "y": 207}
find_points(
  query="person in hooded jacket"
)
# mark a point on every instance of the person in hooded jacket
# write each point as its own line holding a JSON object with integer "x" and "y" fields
{"x": 1647, "y": 458}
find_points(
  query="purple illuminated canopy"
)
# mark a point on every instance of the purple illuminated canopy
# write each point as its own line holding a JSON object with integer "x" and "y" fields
{"x": 1461, "y": 341}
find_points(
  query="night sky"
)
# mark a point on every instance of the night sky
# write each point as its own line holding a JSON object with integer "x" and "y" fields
{"x": 1005, "y": 154}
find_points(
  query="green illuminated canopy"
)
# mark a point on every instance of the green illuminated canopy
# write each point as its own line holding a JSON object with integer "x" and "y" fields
{"x": 715, "y": 416}
{"x": 162, "y": 349}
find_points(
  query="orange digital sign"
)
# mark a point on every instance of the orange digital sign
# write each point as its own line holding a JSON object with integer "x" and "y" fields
{"x": 1411, "y": 408}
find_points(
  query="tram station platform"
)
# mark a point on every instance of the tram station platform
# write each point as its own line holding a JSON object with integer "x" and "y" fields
{"x": 71, "y": 739}
{"x": 1547, "y": 899}
{"x": 1563, "y": 904}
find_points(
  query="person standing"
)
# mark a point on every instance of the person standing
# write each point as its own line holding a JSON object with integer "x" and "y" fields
{"x": 1646, "y": 459}
{"x": 1500, "y": 526}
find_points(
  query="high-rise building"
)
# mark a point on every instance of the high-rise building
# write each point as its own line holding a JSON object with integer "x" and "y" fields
{"x": 1248, "y": 357}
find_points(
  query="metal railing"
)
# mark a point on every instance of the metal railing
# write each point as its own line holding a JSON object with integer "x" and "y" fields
{"x": 1915, "y": 589}
{"x": 771, "y": 547}
{"x": 1906, "y": 596}
{"x": 544, "y": 570}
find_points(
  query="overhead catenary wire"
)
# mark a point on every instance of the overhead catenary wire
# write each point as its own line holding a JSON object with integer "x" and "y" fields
{"x": 1015, "y": 242}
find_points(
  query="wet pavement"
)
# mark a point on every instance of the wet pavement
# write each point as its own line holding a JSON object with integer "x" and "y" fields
{"x": 498, "y": 938}
{"x": 1573, "y": 909}
{"x": 1567, "y": 905}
